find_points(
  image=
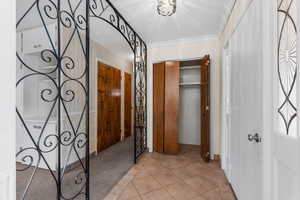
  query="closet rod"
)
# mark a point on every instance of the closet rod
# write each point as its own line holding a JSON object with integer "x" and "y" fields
{"x": 193, "y": 67}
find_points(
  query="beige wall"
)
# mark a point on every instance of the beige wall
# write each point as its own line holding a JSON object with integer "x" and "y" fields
{"x": 99, "y": 53}
{"x": 182, "y": 51}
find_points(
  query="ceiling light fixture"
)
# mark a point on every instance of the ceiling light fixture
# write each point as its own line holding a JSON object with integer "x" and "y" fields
{"x": 166, "y": 7}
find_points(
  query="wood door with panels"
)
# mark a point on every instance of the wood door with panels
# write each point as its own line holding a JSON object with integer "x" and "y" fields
{"x": 171, "y": 107}
{"x": 128, "y": 104}
{"x": 109, "y": 106}
{"x": 205, "y": 108}
{"x": 158, "y": 106}
{"x": 166, "y": 107}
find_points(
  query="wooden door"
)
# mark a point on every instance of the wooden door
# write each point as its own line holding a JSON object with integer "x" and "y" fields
{"x": 109, "y": 106}
{"x": 115, "y": 106}
{"x": 127, "y": 106}
{"x": 205, "y": 108}
{"x": 158, "y": 106}
{"x": 102, "y": 106}
{"x": 171, "y": 108}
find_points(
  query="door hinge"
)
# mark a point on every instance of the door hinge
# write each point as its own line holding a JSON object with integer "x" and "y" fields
{"x": 207, "y": 155}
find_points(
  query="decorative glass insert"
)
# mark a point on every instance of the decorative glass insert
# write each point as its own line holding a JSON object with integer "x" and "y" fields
{"x": 287, "y": 67}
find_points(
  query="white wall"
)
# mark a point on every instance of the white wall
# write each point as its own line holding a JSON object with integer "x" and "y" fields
{"x": 99, "y": 53}
{"x": 189, "y": 107}
{"x": 183, "y": 50}
{"x": 7, "y": 100}
{"x": 190, "y": 115}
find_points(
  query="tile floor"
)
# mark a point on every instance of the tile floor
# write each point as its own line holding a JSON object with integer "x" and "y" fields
{"x": 181, "y": 177}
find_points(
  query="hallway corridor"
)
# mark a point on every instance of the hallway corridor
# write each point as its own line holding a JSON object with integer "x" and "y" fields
{"x": 181, "y": 177}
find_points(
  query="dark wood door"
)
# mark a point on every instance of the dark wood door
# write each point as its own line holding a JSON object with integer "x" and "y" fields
{"x": 166, "y": 107}
{"x": 205, "y": 108}
{"x": 171, "y": 118}
{"x": 158, "y": 106}
{"x": 127, "y": 106}
{"x": 109, "y": 106}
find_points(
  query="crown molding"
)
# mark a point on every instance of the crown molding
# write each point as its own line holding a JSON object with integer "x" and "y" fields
{"x": 190, "y": 40}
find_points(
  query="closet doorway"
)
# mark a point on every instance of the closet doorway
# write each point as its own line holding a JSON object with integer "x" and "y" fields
{"x": 109, "y": 106}
{"x": 181, "y": 106}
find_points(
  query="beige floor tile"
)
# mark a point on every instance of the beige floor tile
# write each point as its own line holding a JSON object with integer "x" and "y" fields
{"x": 216, "y": 176}
{"x": 166, "y": 179}
{"x": 174, "y": 163}
{"x": 192, "y": 155}
{"x": 161, "y": 194}
{"x": 129, "y": 192}
{"x": 182, "y": 173}
{"x": 200, "y": 184}
{"x": 228, "y": 196}
{"x": 199, "y": 198}
{"x": 212, "y": 195}
{"x": 224, "y": 188}
{"x": 141, "y": 174}
{"x": 181, "y": 191}
{"x": 158, "y": 170}
{"x": 196, "y": 169}
{"x": 182, "y": 177}
{"x": 135, "y": 198}
{"x": 146, "y": 184}
{"x": 111, "y": 196}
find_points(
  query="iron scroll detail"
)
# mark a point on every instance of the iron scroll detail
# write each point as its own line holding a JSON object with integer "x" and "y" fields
{"x": 65, "y": 93}
{"x": 62, "y": 79}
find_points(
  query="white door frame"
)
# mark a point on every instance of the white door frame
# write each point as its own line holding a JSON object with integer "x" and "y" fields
{"x": 7, "y": 102}
{"x": 269, "y": 29}
{"x": 298, "y": 97}
{"x": 225, "y": 135}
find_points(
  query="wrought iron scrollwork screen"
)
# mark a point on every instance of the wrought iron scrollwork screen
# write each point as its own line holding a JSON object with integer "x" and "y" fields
{"x": 287, "y": 66}
{"x": 105, "y": 11}
{"x": 53, "y": 110}
{"x": 53, "y": 94}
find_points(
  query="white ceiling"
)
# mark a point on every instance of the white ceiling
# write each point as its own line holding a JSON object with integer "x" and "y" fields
{"x": 105, "y": 35}
{"x": 193, "y": 18}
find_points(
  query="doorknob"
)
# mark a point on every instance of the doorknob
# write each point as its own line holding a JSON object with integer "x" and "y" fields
{"x": 254, "y": 137}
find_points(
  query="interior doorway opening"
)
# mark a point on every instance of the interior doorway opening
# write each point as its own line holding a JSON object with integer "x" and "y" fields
{"x": 182, "y": 106}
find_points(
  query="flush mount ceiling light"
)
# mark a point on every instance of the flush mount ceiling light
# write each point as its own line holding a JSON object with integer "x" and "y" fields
{"x": 166, "y": 7}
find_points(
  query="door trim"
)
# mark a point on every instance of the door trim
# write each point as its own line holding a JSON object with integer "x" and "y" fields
{"x": 269, "y": 30}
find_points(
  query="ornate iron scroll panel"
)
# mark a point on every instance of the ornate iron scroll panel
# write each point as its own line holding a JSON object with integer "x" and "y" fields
{"x": 105, "y": 11}
{"x": 287, "y": 66}
{"x": 64, "y": 153}
{"x": 57, "y": 149}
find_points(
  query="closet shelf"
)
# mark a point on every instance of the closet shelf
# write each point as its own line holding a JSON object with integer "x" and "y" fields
{"x": 193, "y": 83}
{"x": 191, "y": 67}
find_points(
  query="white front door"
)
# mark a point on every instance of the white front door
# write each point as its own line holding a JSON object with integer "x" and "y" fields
{"x": 246, "y": 105}
{"x": 285, "y": 144}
